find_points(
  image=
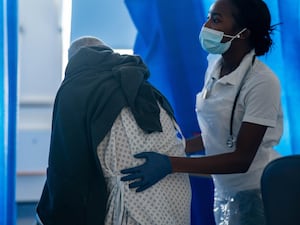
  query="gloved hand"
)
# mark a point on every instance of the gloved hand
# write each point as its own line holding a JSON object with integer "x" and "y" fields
{"x": 156, "y": 167}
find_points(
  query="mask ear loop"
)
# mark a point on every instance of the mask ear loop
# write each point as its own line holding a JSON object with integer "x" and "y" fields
{"x": 238, "y": 35}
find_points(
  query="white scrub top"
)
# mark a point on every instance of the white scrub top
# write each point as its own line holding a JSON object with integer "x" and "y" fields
{"x": 258, "y": 102}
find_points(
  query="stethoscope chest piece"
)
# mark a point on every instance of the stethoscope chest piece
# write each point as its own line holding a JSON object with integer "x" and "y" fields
{"x": 230, "y": 141}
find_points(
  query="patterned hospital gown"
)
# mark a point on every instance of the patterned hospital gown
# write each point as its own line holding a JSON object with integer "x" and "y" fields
{"x": 165, "y": 203}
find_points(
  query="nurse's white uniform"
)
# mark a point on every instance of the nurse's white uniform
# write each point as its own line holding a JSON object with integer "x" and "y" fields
{"x": 258, "y": 102}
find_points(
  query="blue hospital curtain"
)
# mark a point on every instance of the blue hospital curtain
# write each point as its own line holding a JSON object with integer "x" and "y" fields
{"x": 289, "y": 15}
{"x": 167, "y": 40}
{"x": 8, "y": 110}
{"x": 283, "y": 60}
{"x": 167, "y": 37}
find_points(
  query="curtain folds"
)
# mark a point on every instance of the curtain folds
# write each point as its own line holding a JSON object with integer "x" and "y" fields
{"x": 289, "y": 10}
{"x": 8, "y": 107}
{"x": 167, "y": 40}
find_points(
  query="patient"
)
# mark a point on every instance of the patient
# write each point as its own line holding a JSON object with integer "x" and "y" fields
{"x": 105, "y": 111}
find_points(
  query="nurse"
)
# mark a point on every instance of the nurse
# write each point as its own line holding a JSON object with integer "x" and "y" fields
{"x": 239, "y": 113}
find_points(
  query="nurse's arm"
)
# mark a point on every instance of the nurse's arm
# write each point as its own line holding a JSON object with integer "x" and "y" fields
{"x": 248, "y": 141}
{"x": 194, "y": 144}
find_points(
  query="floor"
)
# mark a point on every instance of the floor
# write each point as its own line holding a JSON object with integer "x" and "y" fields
{"x": 26, "y": 213}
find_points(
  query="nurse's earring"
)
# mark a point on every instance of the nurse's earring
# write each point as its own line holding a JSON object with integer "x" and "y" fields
{"x": 245, "y": 34}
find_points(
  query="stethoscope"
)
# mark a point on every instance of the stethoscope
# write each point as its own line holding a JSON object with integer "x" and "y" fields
{"x": 231, "y": 139}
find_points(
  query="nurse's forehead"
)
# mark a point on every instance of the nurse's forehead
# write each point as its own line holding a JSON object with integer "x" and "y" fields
{"x": 223, "y": 8}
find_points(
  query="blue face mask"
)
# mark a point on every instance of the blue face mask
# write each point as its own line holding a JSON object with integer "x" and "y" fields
{"x": 211, "y": 40}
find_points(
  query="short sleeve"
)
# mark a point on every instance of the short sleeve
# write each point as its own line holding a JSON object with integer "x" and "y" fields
{"x": 262, "y": 101}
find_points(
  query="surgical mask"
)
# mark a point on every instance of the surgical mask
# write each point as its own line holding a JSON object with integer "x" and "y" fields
{"x": 211, "y": 40}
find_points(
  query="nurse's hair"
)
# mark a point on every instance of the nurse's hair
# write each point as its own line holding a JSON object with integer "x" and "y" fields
{"x": 256, "y": 17}
{"x": 84, "y": 41}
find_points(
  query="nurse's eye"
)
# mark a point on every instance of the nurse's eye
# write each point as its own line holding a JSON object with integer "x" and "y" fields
{"x": 215, "y": 19}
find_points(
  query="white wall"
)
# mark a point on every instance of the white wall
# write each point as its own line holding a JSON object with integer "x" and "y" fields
{"x": 40, "y": 70}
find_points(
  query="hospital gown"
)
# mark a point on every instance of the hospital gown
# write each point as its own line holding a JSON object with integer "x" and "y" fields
{"x": 167, "y": 202}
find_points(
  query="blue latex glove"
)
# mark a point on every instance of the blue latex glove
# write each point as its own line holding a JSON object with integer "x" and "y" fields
{"x": 156, "y": 167}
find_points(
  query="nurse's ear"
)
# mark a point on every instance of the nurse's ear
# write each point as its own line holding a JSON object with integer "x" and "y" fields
{"x": 245, "y": 34}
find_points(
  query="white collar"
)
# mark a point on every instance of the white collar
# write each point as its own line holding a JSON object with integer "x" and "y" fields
{"x": 236, "y": 76}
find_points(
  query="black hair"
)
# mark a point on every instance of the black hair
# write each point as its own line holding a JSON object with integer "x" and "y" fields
{"x": 255, "y": 16}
